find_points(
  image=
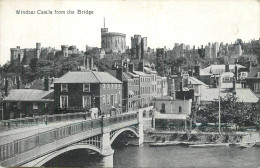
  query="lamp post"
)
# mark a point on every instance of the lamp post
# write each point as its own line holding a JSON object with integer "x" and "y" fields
{"x": 219, "y": 105}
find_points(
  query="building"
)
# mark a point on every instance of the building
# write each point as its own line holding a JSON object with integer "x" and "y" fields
{"x": 130, "y": 88}
{"x": 251, "y": 79}
{"x": 221, "y": 68}
{"x": 29, "y": 102}
{"x": 138, "y": 47}
{"x": 161, "y": 53}
{"x": 172, "y": 113}
{"x": 82, "y": 90}
{"x": 153, "y": 73}
{"x": 145, "y": 86}
{"x": 25, "y": 55}
{"x": 112, "y": 42}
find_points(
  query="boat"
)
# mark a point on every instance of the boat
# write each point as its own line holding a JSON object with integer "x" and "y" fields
{"x": 209, "y": 145}
{"x": 246, "y": 145}
{"x": 164, "y": 143}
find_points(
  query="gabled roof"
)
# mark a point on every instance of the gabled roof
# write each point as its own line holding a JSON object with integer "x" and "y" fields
{"x": 195, "y": 81}
{"x": 149, "y": 70}
{"x": 141, "y": 73}
{"x": 243, "y": 95}
{"x": 87, "y": 77}
{"x": 219, "y": 69}
{"x": 253, "y": 72}
{"x": 204, "y": 73}
{"x": 29, "y": 95}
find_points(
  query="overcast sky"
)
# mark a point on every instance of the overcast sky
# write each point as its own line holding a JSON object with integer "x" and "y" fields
{"x": 164, "y": 23}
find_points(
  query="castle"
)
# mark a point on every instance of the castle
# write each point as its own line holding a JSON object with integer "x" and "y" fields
{"x": 25, "y": 55}
{"x": 112, "y": 42}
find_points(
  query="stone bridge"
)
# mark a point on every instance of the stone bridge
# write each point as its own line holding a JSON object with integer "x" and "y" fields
{"x": 96, "y": 135}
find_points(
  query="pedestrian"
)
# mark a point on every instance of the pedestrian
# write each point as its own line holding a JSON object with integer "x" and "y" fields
{"x": 45, "y": 119}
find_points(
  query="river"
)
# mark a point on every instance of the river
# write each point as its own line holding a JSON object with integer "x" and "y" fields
{"x": 170, "y": 156}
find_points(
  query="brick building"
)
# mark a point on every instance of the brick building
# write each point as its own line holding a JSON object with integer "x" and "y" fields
{"x": 82, "y": 90}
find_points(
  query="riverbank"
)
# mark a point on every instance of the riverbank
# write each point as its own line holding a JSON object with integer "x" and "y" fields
{"x": 200, "y": 137}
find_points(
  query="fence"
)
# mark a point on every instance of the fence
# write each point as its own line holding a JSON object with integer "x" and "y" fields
{"x": 30, "y": 121}
{"x": 26, "y": 144}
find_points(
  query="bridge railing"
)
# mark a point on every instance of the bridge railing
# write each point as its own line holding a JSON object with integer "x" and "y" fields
{"x": 26, "y": 144}
{"x": 30, "y": 121}
{"x": 118, "y": 119}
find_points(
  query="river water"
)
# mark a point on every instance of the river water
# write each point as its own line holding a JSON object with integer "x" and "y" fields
{"x": 167, "y": 156}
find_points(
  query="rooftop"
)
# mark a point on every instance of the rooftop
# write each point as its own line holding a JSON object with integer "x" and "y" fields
{"x": 219, "y": 69}
{"x": 29, "y": 95}
{"x": 87, "y": 77}
{"x": 243, "y": 95}
{"x": 195, "y": 81}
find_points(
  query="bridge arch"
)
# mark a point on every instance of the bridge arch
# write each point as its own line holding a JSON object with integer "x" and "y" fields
{"x": 41, "y": 161}
{"x": 121, "y": 131}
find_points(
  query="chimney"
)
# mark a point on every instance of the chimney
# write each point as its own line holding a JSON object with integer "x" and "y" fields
{"x": 18, "y": 82}
{"x": 181, "y": 89}
{"x": 92, "y": 63}
{"x": 236, "y": 71}
{"x": 131, "y": 67}
{"x": 227, "y": 67}
{"x": 172, "y": 70}
{"x": 234, "y": 85}
{"x": 126, "y": 66}
{"x": 84, "y": 62}
{"x": 87, "y": 68}
{"x": 46, "y": 84}
{"x": 249, "y": 65}
{"x": 119, "y": 73}
{"x": 197, "y": 71}
{"x": 141, "y": 66}
{"x": 6, "y": 86}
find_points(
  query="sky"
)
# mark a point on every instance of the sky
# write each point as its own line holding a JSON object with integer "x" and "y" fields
{"x": 164, "y": 22}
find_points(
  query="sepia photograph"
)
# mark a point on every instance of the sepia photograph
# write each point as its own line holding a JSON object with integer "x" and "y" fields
{"x": 130, "y": 83}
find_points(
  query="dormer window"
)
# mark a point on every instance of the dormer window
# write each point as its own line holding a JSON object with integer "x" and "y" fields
{"x": 86, "y": 87}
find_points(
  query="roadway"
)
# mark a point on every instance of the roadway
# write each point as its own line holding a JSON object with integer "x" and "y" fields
{"x": 19, "y": 133}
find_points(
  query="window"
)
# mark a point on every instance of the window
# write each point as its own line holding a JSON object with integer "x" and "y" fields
{"x": 115, "y": 86}
{"x": 119, "y": 85}
{"x": 112, "y": 86}
{"x": 115, "y": 98}
{"x": 104, "y": 86}
{"x": 108, "y": 99}
{"x": 243, "y": 74}
{"x": 86, "y": 101}
{"x": 258, "y": 74}
{"x": 112, "y": 100}
{"x": 86, "y": 87}
{"x": 46, "y": 105}
{"x": 108, "y": 86}
{"x": 63, "y": 101}
{"x": 104, "y": 100}
{"x": 35, "y": 106}
{"x": 64, "y": 87}
{"x": 180, "y": 109}
{"x": 19, "y": 105}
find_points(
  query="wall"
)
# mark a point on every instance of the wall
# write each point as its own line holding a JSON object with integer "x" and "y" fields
{"x": 172, "y": 106}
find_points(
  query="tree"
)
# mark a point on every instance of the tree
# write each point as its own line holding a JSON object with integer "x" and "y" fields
{"x": 232, "y": 111}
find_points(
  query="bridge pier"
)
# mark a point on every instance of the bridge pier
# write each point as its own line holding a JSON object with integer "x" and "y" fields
{"x": 140, "y": 129}
{"x": 108, "y": 161}
{"x": 106, "y": 149}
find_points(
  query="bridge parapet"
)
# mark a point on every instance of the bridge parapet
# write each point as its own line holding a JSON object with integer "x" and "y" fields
{"x": 24, "y": 150}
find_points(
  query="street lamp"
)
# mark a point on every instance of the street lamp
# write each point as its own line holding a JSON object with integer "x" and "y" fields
{"x": 219, "y": 104}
